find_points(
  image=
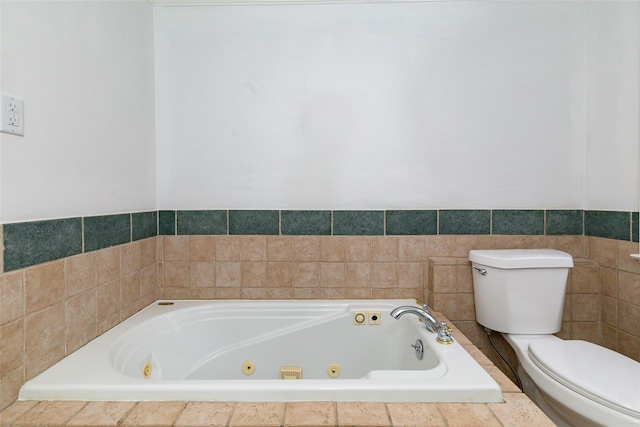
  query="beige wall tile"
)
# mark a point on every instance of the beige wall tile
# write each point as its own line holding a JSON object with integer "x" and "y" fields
{"x": 11, "y": 384}
{"x": 279, "y": 248}
{"x": 254, "y": 274}
{"x": 149, "y": 281}
{"x": 80, "y": 313}
{"x": 200, "y": 293}
{"x": 332, "y": 248}
{"x": 108, "y": 299}
{"x": 130, "y": 257}
{"x": 411, "y": 275}
{"x": 333, "y": 293}
{"x": 228, "y": 274}
{"x": 306, "y": 248}
{"x": 585, "y": 279}
{"x": 609, "y": 311}
{"x": 629, "y": 318}
{"x": 384, "y": 248}
{"x": 444, "y": 278}
{"x": 358, "y": 275}
{"x": 605, "y": 251}
{"x": 202, "y": 274}
{"x": 332, "y": 275}
{"x": 436, "y": 246}
{"x": 279, "y": 274}
{"x": 148, "y": 251}
{"x": 384, "y": 275}
{"x": 609, "y": 282}
{"x": 629, "y": 345}
{"x": 629, "y": 287}
{"x": 202, "y": 248}
{"x": 11, "y": 296}
{"x": 80, "y": 273}
{"x": 609, "y": 337}
{"x": 36, "y": 364}
{"x": 44, "y": 285}
{"x": 130, "y": 288}
{"x": 625, "y": 262}
{"x": 576, "y": 246}
{"x": 228, "y": 248}
{"x": 12, "y": 349}
{"x": 357, "y": 249}
{"x": 585, "y": 307}
{"x": 176, "y": 274}
{"x": 306, "y": 275}
{"x": 108, "y": 264}
{"x": 254, "y": 248}
{"x": 588, "y": 331}
{"x": 176, "y": 248}
{"x": 44, "y": 330}
{"x": 411, "y": 249}
{"x": 228, "y": 293}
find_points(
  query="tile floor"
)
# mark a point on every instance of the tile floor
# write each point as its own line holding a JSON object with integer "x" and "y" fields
{"x": 517, "y": 410}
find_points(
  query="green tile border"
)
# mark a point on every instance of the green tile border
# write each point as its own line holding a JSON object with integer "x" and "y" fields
{"x": 306, "y": 223}
{"x": 254, "y": 222}
{"x": 411, "y": 222}
{"x": 608, "y": 224}
{"x": 35, "y": 242}
{"x": 198, "y": 222}
{"x": 460, "y": 221}
{"x": 358, "y": 223}
{"x": 517, "y": 222}
{"x": 31, "y": 243}
{"x": 106, "y": 230}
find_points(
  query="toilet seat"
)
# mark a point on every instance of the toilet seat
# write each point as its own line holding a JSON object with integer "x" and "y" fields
{"x": 595, "y": 372}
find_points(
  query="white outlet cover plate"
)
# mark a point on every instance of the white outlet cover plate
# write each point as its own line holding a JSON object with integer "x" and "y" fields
{"x": 11, "y": 114}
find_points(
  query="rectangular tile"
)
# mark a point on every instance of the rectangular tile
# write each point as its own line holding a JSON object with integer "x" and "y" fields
{"x": 517, "y": 222}
{"x": 106, "y": 230}
{"x": 608, "y": 224}
{"x": 358, "y": 223}
{"x": 166, "y": 223}
{"x": 635, "y": 223}
{"x": 300, "y": 223}
{"x": 202, "y": 222}
{"x": 31, "y": 243}
{"x": 411, "y": 222}
{"x": 464, "y": 222}
{"x": 144, "y": 225}
{"x": 254, "y": 222}
{"x": 564, "y": 222}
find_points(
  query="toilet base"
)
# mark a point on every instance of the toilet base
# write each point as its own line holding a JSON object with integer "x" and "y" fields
{"x": 562, "y": 405}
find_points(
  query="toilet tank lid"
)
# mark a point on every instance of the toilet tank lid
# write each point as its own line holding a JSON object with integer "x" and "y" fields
{"x": 521, "y": 258}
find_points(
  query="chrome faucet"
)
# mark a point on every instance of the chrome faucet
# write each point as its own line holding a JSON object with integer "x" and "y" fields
{"x": 430, "y": 322}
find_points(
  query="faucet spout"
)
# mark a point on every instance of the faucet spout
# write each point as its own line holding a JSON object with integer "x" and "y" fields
{"x": 430, "y": 322}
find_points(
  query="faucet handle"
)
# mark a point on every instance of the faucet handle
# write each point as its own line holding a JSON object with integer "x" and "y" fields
{"x": 444, "y": 334}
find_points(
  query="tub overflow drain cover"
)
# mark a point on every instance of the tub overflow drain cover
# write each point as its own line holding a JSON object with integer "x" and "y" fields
{"x": 146, "y": 370}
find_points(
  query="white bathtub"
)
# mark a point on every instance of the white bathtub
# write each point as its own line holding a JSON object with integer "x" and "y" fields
{"x": 234, "y": 351}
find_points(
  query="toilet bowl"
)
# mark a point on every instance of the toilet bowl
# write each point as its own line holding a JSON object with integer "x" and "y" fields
{"x": 520, "y": 293}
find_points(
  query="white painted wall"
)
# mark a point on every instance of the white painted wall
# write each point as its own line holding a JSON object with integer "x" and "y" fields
{"x": 613, "y": 105}
{"x": 85, "y": 71}
{"x": 365, "y": 106}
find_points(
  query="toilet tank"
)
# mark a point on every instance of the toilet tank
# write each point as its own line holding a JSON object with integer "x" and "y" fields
{"x": 520, "y": 291}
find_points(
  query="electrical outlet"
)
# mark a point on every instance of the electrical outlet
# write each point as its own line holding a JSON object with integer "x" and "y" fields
{"x": 11, "y": 114}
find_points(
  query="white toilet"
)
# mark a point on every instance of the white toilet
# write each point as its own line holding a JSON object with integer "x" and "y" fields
{"x": 520, "y": 293}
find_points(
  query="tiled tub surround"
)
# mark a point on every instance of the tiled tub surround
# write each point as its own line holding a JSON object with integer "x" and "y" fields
{"x": 73, "y": 309}
{"x": 50, "y": 310}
